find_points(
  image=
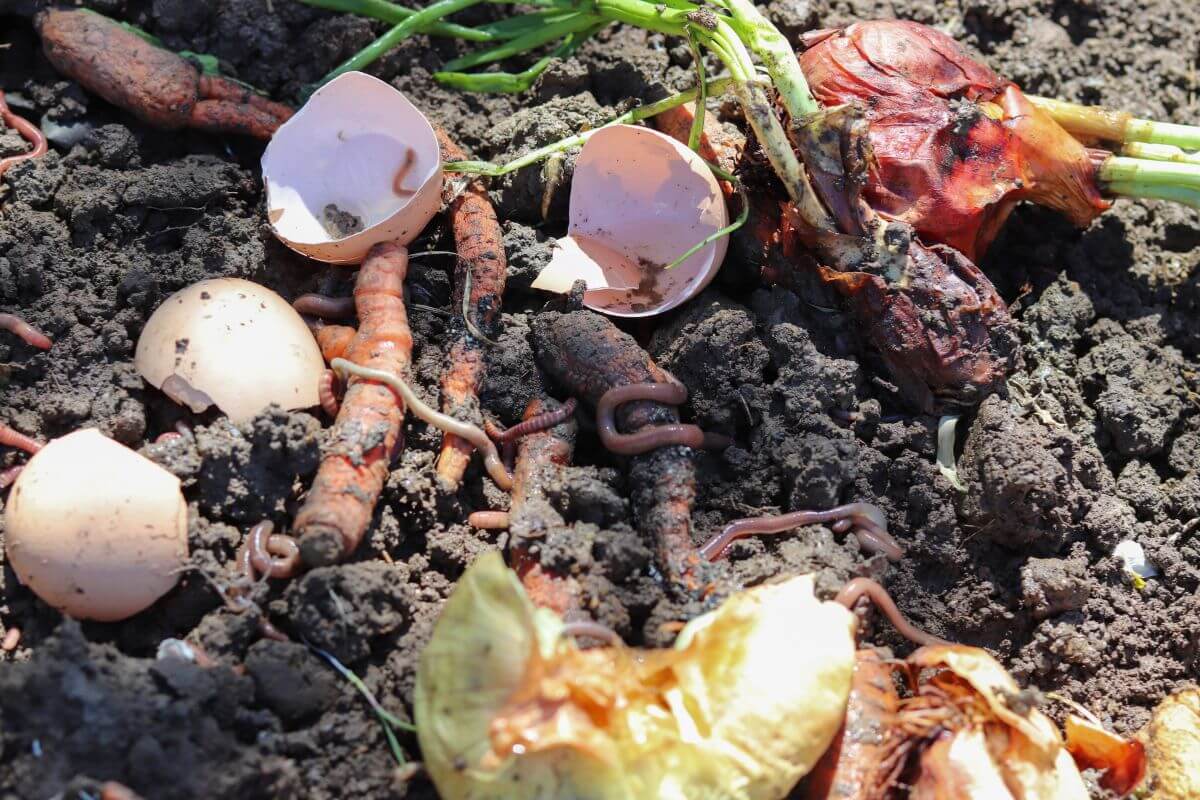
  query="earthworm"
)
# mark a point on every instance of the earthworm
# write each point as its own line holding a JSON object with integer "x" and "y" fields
{"x": 9, "y": 476}
{"x": 328, "y": 394}
{"x": 324, "y": 306}
{"x": 178, "y": 389}
{"x": 444, "y": 422}
{"x": 856, "y": 589}
{"x": 632, "y": 444}
{"x": 111, "y": 790}
{"x": 593, "y": 630}
{"x": 181, "y": 429}
{"x": 869, "y": 523}
{"x": 410, "y": 158}
{"x": 488, "y": 520}
{"x": 13, "y": 438}
{"x": 12, "y": 638}
{"x": 479, "y": 276}
{"x": 32, "y": 134}
{"x": 541, "y": 422}
{"x": 272, "y": 554}
{"x": 27, "y": 333}
{"x": 341, "y": 503}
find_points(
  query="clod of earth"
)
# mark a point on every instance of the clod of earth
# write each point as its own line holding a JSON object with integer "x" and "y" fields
{"x": 155, "y": 85}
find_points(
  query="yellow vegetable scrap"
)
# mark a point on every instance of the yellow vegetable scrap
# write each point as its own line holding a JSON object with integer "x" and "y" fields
{"x": 740, "y": 709}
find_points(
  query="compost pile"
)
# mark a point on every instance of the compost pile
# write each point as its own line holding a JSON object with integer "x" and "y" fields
{"x": 1086, "y": 441}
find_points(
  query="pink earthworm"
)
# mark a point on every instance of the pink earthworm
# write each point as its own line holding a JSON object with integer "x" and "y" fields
{"x": 31, "y": 134}
{"x": 268, "y": 553}
{"x": 11, "y": 639}
{"x": 592, "y": 630}
{"x": 26, "y": 332}
{"x": 542, "y": 422}
{"x": 858, "y": 588}
{"x": 13, "y": 438}
{"x": 632, "y": 444}
{"x": 179, "y": 390}
{"x": 488, "y": 520}
{"x": 325, "y": 307}
{"x": 327, "y": 392}
{"x": 869, "y": 523}
{"x": 9, "y": 476}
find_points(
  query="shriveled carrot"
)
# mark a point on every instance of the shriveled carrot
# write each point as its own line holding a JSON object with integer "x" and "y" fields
{"x": 589, "y": 355}
{"x": 342, "y": 500}
{"x": 540, "y": 456}
{"x": 857, "y": 764}
{"x": 479, "y": 276}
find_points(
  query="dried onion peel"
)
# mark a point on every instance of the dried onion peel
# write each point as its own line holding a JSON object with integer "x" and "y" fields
{"x": 742, "y": 707}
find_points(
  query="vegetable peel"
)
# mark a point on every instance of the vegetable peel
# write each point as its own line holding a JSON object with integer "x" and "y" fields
{"x": 743, "y": 705}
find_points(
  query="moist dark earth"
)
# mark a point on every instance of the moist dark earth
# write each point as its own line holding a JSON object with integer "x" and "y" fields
{"x": 1096, "y": 440}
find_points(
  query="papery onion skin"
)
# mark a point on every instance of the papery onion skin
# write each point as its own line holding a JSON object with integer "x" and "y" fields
{"x": 741, "y": 708}
{"x": 956, "y": 146}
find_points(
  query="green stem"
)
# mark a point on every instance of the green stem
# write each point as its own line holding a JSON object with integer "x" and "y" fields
{"x": 629, "y": 117}
{"x": 765, "y": 41}
{"x": 697, "y": 131}
{"x": 1117, "y": 126}
{"x": 536, "y": 38}
{"x": 1159, "y": 152}
{"x": 511, "y": 82}
{"x": 1141, "y": 172}
{"x": 512, "y": 27}
{"x": 729, "y": 229}
{"x": 395, "y": 14}
{"x": 414, "y": 24}
{"x": 1176, "y": 194}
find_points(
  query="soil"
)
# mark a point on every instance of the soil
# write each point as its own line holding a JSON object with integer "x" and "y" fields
{"x": 1097, "y": 440}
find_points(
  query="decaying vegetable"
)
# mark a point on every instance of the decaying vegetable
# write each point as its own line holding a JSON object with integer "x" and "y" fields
{"x": 969, "y": 733}
{"x": 157, "y": 86}
{"x": 741, "y": 707}
{"x": 1123, "y": 761}
{"x": 1172, "y": 740}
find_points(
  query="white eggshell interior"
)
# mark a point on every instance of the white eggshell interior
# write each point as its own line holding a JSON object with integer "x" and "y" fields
{"x": 94, "y": 529}
{"x": 639, "y": 200}
{"x": 345, "y": 147}
{"x": 236, "y": 341}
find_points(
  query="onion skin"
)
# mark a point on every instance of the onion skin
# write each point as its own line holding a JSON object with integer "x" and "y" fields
{"x": 956, "y": 146}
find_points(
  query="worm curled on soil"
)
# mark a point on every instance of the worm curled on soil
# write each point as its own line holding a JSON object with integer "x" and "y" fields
{"x": 488, "y": 520}
{"x": 868, "y": 522}
{"x": 178, "y": 389}
{"x": 366, "y": 432}
{"x": 445, "y": 423}
{"x": 14, "y": 438}
{"x": 324, "y": 307}
{"x": 267, "y": 553}
{"x": 671, "y": 393}
{"x": 23, "y": 330}
{"x": 479, "y": 277}
{"x": 30, "y": 133}
{"x": 858, "y": 588}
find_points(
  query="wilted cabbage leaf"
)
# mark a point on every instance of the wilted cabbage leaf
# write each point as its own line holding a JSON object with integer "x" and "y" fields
{"x": 740, "y": 708}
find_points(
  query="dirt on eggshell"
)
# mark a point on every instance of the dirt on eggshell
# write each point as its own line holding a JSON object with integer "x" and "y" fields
{"x": 1097, "y": 441}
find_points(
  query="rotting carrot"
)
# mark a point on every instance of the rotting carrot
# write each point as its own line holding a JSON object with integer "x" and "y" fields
{"x": 857, "y": 764}
{"x": 342, "y": 500}
{"x": 540, "y": 458}
{"x": 26, "y": 332}
{"x": 334, "y": 340}
{"x": 30, "y": 133}
{"x": 588, "y": 355}
{"x": 479, "y": 277}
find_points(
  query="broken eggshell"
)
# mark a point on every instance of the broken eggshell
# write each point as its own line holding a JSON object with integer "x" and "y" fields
{"x": 233, "y": 343}
{"x": 639, "y": 200}
{"x": 357, "y": 165}
{"x": 94, "y": 529}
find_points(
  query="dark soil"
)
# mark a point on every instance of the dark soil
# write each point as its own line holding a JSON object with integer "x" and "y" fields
{"x": 1097, "y": 441}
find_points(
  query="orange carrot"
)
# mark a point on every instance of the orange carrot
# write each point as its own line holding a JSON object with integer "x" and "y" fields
{"x": 339, "y": 508}
{"x": 479, "y": 275}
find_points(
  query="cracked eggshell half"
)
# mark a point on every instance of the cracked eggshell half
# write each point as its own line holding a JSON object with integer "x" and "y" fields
{"x": 357, "y": 165}
{"x": 94, "y": 529}
{"x": 237, "y": 342}
{"x": 639, "y": 200}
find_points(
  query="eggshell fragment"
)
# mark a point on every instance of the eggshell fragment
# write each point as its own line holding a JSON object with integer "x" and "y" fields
{"x": 237, "y": 342}
{"x": 357, "y": 165}
{"x": 94, "y": 529}
{"x": 639, "y": 200}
